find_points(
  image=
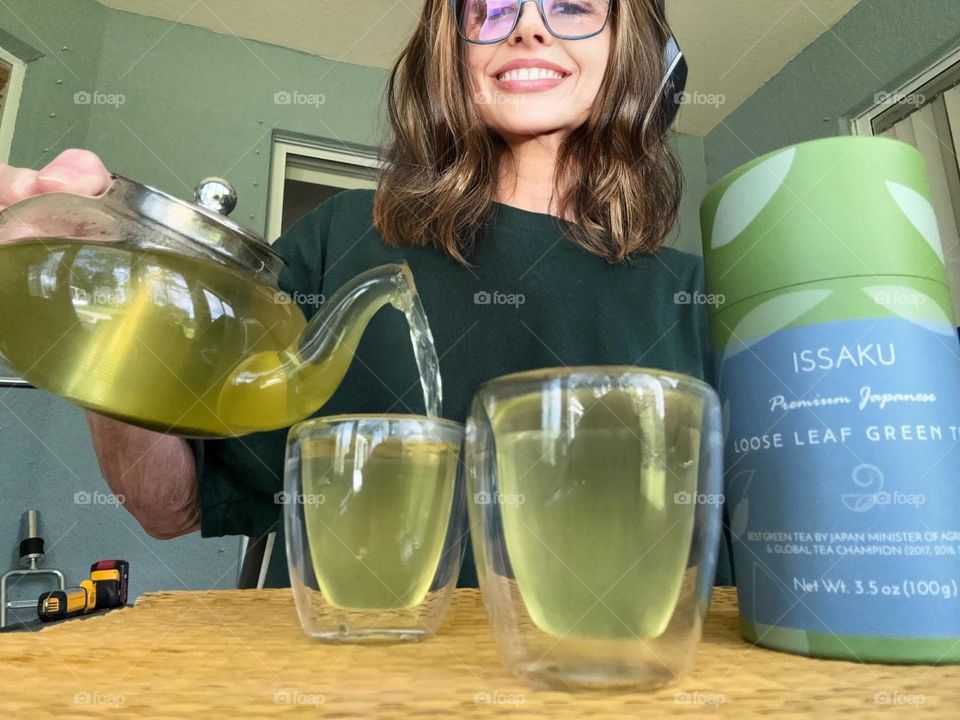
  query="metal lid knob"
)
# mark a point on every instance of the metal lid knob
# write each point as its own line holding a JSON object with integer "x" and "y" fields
{"x": 217, "y": 194}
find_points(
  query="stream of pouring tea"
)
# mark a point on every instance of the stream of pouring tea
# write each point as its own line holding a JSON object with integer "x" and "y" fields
{"x": 428, "y": 364}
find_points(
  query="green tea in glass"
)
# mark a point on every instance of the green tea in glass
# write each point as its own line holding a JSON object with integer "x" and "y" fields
{"x": 374, "y": 514}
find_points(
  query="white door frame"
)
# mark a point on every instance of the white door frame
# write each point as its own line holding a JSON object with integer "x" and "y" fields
{"x": 283, "y": 167}
{"x": 11, "y": 107}
{"x": 863, "y": 123}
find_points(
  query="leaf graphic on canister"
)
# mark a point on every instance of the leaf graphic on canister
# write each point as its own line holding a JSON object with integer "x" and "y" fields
{"x": 858, "y": 503}
{"x": 913, "y": 305}
{"x": 739, "y": 518}
{"x": 920, "y": 213}
{"x": 864, "y": 475}
{"x": 748, "y": 195}
{"x": 741, "y": 510}
{"x": 769, "y": 317}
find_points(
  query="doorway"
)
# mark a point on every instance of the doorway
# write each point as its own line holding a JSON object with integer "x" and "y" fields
{"x": 306, "y": 172}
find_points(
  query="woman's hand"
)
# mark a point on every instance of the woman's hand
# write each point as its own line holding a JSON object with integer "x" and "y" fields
{"x": 74, "y": 171}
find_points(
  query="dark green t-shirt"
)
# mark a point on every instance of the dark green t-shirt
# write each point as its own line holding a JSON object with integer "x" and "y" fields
{"x": 577, "y": 310}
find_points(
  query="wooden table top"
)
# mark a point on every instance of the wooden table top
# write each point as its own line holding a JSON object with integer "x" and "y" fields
{"x": 241, "y": 653}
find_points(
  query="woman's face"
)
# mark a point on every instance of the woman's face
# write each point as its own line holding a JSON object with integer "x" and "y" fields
{"x": 534, "y": 84}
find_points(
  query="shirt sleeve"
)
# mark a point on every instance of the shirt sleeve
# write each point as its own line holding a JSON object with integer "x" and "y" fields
{"x": 239, "y": 479}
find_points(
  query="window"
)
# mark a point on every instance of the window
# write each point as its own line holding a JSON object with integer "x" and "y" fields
{"x": 12, "y": 71}
{"x": 925, "y": 113}
{"x": 304, "y": 173}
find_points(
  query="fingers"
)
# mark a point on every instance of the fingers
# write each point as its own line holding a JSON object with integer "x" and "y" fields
{"x": 16, "y": 184}
{"x": 74, "y": 171}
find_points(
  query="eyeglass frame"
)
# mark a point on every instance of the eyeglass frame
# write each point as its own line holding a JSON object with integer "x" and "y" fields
{"x": 543, "y": 17}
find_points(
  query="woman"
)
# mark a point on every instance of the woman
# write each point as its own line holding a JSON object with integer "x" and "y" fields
{"x": 529, "y": 186}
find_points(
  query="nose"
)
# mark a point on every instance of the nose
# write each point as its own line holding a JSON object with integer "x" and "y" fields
{"x": 530, "y": 27}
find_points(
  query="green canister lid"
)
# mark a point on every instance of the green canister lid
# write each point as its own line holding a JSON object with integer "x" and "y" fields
{"x": 843, "y": 207}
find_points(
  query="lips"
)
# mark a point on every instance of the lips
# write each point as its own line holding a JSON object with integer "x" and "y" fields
{"x": 529, "y": 75}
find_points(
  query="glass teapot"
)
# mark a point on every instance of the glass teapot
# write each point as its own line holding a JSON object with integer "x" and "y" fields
{"x": 167, "y": 315}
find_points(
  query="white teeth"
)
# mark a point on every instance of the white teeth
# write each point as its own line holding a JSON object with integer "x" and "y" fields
{"x": 529, "y": 74}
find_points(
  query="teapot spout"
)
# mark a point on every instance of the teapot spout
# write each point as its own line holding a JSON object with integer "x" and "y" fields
{"x": 330, "y": 339}
{"x": 274, "y": 390}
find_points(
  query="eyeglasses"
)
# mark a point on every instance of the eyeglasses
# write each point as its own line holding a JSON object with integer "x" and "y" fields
{"x": 485, "y": 22}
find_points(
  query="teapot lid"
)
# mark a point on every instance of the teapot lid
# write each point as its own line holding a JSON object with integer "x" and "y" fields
{"x": 204, "y": 222}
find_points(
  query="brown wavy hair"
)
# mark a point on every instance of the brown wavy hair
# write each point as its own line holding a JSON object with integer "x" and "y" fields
{"x": 616, "y": 174}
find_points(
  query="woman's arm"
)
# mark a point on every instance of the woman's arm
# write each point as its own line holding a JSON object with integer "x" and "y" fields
{"x": 153, "y": 475}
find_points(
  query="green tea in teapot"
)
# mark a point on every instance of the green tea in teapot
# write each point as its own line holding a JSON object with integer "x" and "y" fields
{"x": 184, "y": 344}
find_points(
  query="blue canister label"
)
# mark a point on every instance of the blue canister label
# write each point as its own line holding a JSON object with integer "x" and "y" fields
{"x": 842, "y": 478}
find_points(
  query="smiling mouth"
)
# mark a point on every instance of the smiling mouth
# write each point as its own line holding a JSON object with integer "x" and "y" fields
{"x": 529, "y": 74}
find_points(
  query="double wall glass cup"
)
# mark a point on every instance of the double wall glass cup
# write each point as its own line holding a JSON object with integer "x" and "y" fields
{"x": 595, "y": 505}
{"x": 374, "y": 517}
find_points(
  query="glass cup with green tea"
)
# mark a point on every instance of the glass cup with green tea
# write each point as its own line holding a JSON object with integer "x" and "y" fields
{"x": 374, "y": 514}
{"x": 595, "y": 507}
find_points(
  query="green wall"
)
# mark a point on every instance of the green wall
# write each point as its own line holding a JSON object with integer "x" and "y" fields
{"x": 61, "y": 43}
{"x": 876, "y": 47}
{"x": 686, "y": 234}
{"x": 200, "y": 103}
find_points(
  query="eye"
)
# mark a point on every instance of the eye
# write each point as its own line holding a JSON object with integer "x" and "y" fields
{"x": 501, "y": 12}
{"x": 571, "y": 8}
